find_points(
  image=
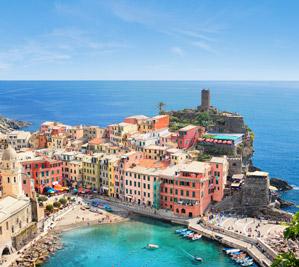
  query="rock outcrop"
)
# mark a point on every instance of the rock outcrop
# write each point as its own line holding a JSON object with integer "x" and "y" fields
{"x": 7, "y": 125}
{"x": 280, "y": 184}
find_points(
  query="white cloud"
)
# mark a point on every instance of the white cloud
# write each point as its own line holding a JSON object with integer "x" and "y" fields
{"x": 177, "y": 51}
{"x": 204, "y": 46}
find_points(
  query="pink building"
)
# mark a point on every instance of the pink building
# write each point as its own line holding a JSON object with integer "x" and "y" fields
{"x": 128, "y": 160}
{"x": 188, "y": 189}
{"x": 139, "y": 185}
{"x": 188, "y": 136}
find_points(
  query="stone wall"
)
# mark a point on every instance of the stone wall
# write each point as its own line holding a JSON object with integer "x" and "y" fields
{"x": 228, "y": 123}
{"x": 255, "y": 192}
{"x": 235, "y": 166}
{"x": 22, "y": 238}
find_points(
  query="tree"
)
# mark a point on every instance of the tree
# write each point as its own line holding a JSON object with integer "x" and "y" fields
{"x": 63, "y": 201}
{"x": 287, "y": 259}
{"x": 49, "y": 208}
{"x": 292, "y": 231}
{"x": 57, "y": 204}
{"x": 161, "y": 106}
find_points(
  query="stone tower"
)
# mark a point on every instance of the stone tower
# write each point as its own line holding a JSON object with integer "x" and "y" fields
{"x": 205, "y": 100}
{"x": 11, "y": 172}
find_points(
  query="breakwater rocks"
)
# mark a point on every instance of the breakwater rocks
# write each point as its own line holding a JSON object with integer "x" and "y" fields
{"x": 7, "y": 125}
{"x": 280, "y": 184}
{"x": 39, "y": 251}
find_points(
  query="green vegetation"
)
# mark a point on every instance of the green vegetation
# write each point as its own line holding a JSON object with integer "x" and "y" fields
{"x": 292, "y": 232}
{"x": 204, "y": 157}
{"x": 289, "y": 259}
{"x": 42, "y": 199}
{"x": 63, "y": 201}
{"x": 49, "y": 208}
{"x": 57, "y": 204}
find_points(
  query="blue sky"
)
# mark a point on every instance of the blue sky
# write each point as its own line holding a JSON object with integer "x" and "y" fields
{"x": 149, "y": 40}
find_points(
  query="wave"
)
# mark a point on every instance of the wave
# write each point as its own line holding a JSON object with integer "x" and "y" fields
{"x": 295, "y": 187}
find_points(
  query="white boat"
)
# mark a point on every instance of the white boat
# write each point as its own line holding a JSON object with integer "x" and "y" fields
{"x": 233, "y": 250}
{"x": 152, "y": 246}
{"x": 196, "y": 237}
{"x": 247, "y": 263}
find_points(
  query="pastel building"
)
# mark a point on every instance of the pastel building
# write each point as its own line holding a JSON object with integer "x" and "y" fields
{"x": 154, "y": 152}
{"x": 187, "y": 136}
{"x": 119, "y": 133}
{"x": 91, "y": 132}
{"x": 139, "y": 185}
{"x": 18, "y": 139}
{"x": 44, "y": 171}
{"x": 75, "y": 132}
{"x": 188, "y": 189}
{"x": 127, "y": 160}
{"x": 91, "y": 171}
{"x": 155, "y": 123}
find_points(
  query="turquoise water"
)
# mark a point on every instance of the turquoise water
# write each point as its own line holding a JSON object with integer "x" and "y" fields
{"x": 121, "y": 245}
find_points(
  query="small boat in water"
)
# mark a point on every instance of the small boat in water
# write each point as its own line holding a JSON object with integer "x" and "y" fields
{"x": 196, "y": 237}
{"x": 231, "y": 251}
{"x": 247, "y": 263}
{"x": 185, "y": 234}
{"x": 178, "y": 231}
{"x": 197, "y": 259}
{"x": 152, "y": 246}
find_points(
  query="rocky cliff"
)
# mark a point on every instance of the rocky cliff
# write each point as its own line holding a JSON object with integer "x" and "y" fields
{"x": 7, "y": 125}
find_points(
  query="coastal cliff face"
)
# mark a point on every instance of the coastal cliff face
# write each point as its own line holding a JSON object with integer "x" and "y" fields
{"x": 7, "y": 125}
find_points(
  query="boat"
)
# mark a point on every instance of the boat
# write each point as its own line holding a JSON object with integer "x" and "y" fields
{"x": 185, "y": 234}
{"x": 152, "y": 246}
{"x": 231, "y": 251}
{"x": 178, "y": 231}
{"x": 196, "y": 237}
{"x": 247, "y": 263}
{"x": 195, "y": 258}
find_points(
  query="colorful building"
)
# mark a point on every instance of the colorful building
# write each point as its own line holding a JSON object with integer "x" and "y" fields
{"x": 187, "y": 136}
{"x": 188, "y": 189}
{"x": 44, "y": 171}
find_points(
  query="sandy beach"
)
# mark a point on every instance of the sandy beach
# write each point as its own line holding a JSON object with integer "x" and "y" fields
{"x": 80, "y": 216}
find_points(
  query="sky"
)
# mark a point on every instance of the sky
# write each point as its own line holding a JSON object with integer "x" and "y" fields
{"x": 149, "y": 40}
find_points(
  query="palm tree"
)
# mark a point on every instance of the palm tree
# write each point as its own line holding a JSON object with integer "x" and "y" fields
{"x": 161, "y": 106}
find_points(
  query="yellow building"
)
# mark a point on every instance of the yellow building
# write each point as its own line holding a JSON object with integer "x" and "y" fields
{"x": 91, "y": 171}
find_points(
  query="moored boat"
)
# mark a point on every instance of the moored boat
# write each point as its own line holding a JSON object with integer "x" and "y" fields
{"x": 152, "y": 246}
{"x": 196, "y": 237}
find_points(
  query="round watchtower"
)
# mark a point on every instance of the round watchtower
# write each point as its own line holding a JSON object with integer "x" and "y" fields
{"x": 205, "y": 100}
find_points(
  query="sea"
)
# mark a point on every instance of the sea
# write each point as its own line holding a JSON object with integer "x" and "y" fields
{"x": 270, "y": 109}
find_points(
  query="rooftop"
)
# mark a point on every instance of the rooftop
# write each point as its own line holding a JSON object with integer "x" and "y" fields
{"x": 187, "y": 128}
{"x": 10, "y": 205}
